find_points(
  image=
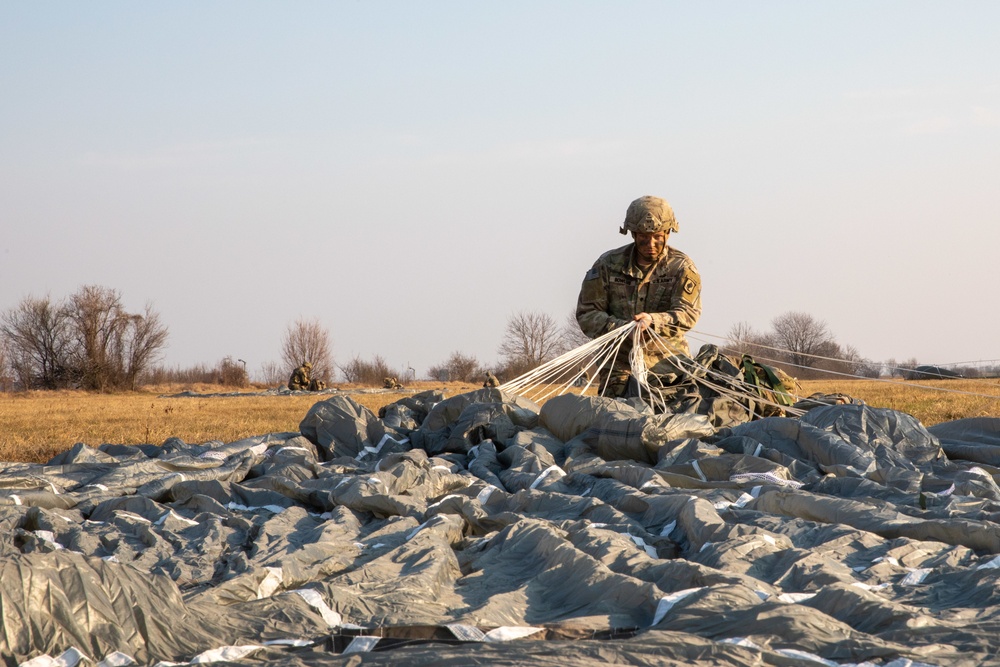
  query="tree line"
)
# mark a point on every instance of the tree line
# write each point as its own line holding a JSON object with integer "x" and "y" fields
{"x": 804, "y": 347}
{"x": 90, "y": 341}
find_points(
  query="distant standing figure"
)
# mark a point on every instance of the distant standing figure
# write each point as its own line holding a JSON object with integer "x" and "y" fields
{"x": 491, "y": 380}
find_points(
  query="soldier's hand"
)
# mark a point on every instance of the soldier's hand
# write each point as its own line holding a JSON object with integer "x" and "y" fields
{"x": 644, "y": 320}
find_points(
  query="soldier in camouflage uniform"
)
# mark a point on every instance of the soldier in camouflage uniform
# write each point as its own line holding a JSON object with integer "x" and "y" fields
{"x": 491, "y": 380}
{"x": 646, "y": 281}
{"x": 300, "y": 377}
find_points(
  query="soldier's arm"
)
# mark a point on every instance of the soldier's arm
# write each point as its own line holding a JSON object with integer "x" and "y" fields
{"x": 685, "y": 304}
{"x": 592, "y": 304}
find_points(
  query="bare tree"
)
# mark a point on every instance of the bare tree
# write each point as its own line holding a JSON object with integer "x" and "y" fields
{"x": 905, "y": 368}
{"x": 848, "y": 359}
{"x": 572, "y": 335}
{"x": 308, "y": 340}
{"x": 232, "y": 373}
{"x": 868, "y": 369}
{"x": 744, "y": 339}
{"x": 802, "y": 336}
{"x": 89, "y": 341}
{"x": 6, "y": 379}
{"x": 530, "y": 339}
{"x": 229, "y": 371}
{"x": 371, "y": 372}
{"x": 111, "y": 347}
{"x": 38, "y": 338}
{"x": 272, "y": 373}
{"x": 144, "y": 338}
{"x": 458, "y": 367}
{"x": 99, "y": 324}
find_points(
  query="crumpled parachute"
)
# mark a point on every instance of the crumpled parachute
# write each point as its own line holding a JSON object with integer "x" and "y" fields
{"x": 485, "y": 529}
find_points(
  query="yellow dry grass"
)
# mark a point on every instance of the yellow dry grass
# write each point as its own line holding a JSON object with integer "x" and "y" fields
{"x": 35, "y": 426}
{"x": 930, "y": 401}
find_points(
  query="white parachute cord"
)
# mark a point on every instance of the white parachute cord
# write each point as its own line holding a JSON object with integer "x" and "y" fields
{"x": 606, "y": 357}
{"x": 656, "y": 399}
{"x": 598, "y": 351}
{"x": 581, "y": 371}
{"x": 553, "y": 369}
{"x": 853, "y": 376}
{"x": 605, "y": 354}
{"x": 750, "y": 390}
{"x": 623, "y": 333}
{"x": 694, "y": 336}
{"x": 902, "y": 383}
{"x": 545, "y": 370}
{"x": 556, "y": 368}
{"x": 637, "y": 358}
{"x": 637, "y": 362}
{"x": 640, "y": 369}
{"x": 688, "y": 366}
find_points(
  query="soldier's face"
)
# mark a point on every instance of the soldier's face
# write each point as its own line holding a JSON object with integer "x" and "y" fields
{"x": 650, "y": 245}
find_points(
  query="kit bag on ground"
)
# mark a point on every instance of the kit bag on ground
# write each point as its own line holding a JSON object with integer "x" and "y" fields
{"x": 774, "y": 387}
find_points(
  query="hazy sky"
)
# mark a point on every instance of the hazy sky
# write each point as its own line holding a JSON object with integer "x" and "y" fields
{"x": 412, "y": 173}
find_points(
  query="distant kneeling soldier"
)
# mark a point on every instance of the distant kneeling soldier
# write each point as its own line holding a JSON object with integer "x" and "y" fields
{"x": 300, "y": 377}
{"x": 300, "y": 380}
{"x": 491, "y": 380}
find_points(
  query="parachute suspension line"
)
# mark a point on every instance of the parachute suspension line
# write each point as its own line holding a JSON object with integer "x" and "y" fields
{"x": 599, "y": 352}
{"x": 694, "y": 336}
{"x": 749, "y": 390}
{"x": 901, "y": 383}
{"x": 637, "y": 358}
{"x": 699, "y": 373}
{"x": 746, "y": 388}
{"x": 840, "y": 374}
{"x": 722, "y": 390}
{"x": 612, "y": 352}
{"x": 640, "y": 371}
{"x": 637, "y": 363}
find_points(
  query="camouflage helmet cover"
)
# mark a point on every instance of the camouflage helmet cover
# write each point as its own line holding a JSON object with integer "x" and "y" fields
{"x": 649, "y": 214}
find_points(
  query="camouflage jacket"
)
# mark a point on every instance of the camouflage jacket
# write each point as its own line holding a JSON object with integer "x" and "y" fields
{"x": 615, "y": 289}
{"x": 299, "y": 378}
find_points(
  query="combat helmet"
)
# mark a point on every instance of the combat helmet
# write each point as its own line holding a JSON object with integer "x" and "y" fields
{"x": 649, "y": 214}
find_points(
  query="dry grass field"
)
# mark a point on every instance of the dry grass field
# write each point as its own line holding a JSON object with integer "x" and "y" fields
{"x": 35, "y": 426}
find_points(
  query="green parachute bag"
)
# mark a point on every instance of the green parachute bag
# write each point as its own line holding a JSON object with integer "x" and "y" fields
{"x": 772, "y": 385}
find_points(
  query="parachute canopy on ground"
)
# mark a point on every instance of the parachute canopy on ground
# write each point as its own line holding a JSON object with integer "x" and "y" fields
{"x": 931, "y": 372}
{"x": 485, "y": 529}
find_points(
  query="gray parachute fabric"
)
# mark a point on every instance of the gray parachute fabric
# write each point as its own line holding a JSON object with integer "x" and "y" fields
{"x": 972, "y": 439}
{"x": 484, "y": 529}
{"x": 341, "y": 427}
